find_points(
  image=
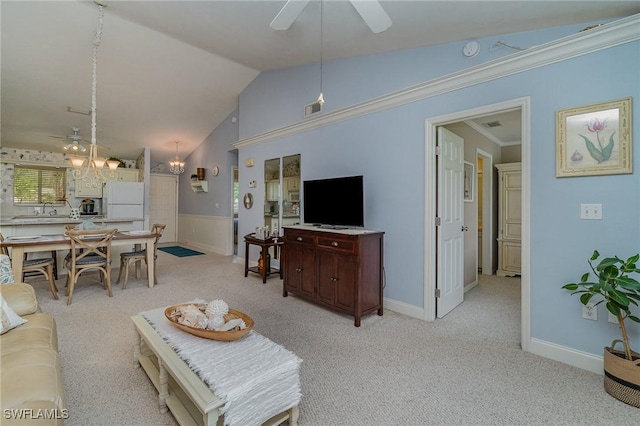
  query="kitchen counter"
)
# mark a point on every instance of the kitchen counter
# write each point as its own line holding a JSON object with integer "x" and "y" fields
{"x": 64, "y": 220}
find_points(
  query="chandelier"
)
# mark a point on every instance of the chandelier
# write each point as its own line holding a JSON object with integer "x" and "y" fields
{"x": 176, "y": 166}
{"x": 93, "y": 162}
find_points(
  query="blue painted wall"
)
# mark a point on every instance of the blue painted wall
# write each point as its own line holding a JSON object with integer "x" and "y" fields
{"x": 387, "y": 147}
{"x": 216, "y": 150}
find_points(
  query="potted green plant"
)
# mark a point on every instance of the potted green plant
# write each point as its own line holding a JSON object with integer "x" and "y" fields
{"x": 620, "y": 292}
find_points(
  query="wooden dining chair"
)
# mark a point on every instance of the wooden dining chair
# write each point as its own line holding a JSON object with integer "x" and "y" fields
{"x": 90, "y": 251}
{"x": 44, "y": 266}
{"x": 127, "y": 258}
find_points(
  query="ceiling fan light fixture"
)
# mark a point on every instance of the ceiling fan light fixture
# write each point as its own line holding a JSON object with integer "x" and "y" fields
{"x": 75, "y": 147}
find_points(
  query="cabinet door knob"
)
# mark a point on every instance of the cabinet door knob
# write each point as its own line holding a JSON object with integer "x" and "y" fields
{"x": 334, "y": 279}
{"x": 334, "y": 244}
{"x": 299, "y": 239}
{"x": 298, "y": 269}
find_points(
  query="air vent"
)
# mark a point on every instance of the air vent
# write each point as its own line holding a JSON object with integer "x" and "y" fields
{"x": 493, "y": 124}
{"x": 313, "y": 108}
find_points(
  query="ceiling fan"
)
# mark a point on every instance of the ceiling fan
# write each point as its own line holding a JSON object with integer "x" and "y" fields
{"x": 370, "y": 10}
{"x": 75, "y": 138}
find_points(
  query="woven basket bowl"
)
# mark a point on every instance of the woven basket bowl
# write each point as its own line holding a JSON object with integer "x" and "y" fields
{"x": 226, "y": 336}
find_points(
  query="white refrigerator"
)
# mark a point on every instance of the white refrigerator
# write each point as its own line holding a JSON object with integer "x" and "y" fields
{"x": 124, "y": 200}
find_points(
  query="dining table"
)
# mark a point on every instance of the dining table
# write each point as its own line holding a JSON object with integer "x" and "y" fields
{"x": 20, "y": 245}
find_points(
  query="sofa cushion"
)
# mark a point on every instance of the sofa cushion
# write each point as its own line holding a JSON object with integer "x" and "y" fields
{"x": 21, "y": 298}
{"x": 31, "y": 378}
{"x": 9, "y": 318}
{"x": 39, "y": 332}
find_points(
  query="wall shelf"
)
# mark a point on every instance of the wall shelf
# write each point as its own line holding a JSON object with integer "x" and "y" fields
{"x": 200, "y": 186}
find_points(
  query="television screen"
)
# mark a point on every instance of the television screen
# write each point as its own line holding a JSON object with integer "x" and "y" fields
{"x": 334, "y": 202}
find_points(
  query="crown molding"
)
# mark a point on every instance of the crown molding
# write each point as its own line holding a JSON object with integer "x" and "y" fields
{"x": 615, "y": 33}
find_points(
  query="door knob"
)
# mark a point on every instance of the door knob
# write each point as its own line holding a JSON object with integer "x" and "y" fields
{"x": 465, "y": 228}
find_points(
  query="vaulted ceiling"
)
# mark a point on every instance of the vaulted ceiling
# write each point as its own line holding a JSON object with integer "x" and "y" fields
{"x": 173, "y": 70}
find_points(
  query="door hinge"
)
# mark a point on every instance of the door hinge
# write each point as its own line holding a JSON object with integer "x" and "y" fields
{"x": 438, "y": 221}
{"x": 437, "y": 293}
{"x": 438, "y": 150}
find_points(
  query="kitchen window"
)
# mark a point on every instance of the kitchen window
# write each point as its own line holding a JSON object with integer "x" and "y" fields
{"x": 38, "y": 185}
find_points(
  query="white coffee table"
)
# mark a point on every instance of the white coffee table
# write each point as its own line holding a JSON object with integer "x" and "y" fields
{"x": 179, "y": 389}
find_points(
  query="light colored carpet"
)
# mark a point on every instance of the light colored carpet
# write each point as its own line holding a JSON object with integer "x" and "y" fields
{"x": 465, "y": 369}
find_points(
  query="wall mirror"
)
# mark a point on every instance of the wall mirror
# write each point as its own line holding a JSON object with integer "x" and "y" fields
{"x": 282, "y": 192}
{"x": 247, "y": 200}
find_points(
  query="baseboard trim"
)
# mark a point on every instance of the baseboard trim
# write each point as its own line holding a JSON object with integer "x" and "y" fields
{"x": 205, "y": 247}
{"x": 566, "y": 355}
{"x": 404, "y": 308}
{"x": 563, "y": 354}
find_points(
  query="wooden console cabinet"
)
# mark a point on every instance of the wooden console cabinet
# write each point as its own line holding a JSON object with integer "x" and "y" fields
{"x": 339, "y": 269}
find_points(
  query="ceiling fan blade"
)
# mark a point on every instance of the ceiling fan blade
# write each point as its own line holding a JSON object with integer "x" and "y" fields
{"x": 373, "y": 14}
{"x": 288, "y": 14}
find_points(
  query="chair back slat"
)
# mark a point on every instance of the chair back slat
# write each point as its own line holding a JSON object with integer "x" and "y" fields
{"x": 3, "y": 249}
{"x": 86, "y": 243}
{"x": 157, "y": 229}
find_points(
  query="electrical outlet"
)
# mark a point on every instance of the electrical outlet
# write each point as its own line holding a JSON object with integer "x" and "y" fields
{"x": 612, "y": 318}
{"x": 590, "y": 312}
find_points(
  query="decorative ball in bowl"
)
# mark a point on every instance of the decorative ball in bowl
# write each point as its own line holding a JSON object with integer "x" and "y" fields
{"x": 172, "y": 313}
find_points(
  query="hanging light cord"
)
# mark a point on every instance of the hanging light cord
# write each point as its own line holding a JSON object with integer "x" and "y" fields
{"x": 321, "y": 44}
{"x": 94, "y": 83}
{"x": 321, "y": 97}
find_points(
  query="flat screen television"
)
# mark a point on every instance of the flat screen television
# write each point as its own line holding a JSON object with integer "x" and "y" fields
{"x": 335, "y": 202}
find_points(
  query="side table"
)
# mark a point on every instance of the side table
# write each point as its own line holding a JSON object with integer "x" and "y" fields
{"x": 276, "y": 243}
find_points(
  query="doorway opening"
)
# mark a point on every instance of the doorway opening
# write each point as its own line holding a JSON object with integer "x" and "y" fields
{"x": 235, "y": 191}
{"x": 431, "y": 198}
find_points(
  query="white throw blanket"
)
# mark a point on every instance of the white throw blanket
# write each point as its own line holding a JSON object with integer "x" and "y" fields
{"x": 254, "y": 377}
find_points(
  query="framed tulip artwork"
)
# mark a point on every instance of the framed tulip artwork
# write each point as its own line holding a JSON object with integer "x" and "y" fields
{"x": 594, "y": 139}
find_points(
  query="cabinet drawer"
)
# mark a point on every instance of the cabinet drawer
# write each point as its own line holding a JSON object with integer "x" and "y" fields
{"x": 299, "y": 237}
{"x": 337, "y": 244}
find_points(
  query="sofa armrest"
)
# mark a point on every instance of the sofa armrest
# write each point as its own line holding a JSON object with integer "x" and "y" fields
{"x": 20, "y": 297}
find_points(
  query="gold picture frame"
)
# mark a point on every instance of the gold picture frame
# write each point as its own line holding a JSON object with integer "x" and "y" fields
{"x": 594, "y": 139}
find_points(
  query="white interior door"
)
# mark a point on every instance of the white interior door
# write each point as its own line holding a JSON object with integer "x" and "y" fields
{"x": 450, "y": 231}
{"x": 163, "y": 205}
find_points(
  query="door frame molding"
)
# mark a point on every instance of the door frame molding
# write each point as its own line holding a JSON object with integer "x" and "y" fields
{"x": 487, "y": 211}
{"x": 430, "y": 187}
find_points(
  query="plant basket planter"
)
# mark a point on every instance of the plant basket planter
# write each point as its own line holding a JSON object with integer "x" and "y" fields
{"x": 621, "y": 376}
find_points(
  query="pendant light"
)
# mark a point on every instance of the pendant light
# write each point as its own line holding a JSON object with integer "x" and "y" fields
{"x": 320, "y": 100}
{"x": 94, "y": 162}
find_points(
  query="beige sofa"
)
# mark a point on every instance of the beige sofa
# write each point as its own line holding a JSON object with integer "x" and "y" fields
{"x": 30, "y": 371}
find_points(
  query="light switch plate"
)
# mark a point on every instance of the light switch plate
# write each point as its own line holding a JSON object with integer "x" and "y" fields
{"x": 591, "y": 211}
